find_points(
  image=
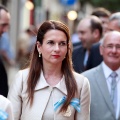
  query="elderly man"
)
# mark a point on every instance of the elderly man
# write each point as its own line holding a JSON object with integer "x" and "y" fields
{"x": 114, "y": 22}
{"x": 105, "y": 80}
{"x": 4, "y": 24}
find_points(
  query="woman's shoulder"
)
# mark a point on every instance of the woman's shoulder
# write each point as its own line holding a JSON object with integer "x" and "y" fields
{"x": 19, "y": 84}
{"x": 78, "y": 76}
{"x": 80, "y": 79}
{"x": 82, "y": 84}
{"x": 21, "y": 76}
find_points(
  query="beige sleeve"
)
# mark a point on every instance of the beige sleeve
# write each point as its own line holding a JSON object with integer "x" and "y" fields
{"x": 84, "y": 102}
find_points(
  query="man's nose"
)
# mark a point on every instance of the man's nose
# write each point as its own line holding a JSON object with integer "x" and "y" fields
{"x": 114, "y": 49}
{"x": 80, "y": 36}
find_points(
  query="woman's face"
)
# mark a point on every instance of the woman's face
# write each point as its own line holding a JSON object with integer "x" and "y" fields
{"x": 54, "y": 47}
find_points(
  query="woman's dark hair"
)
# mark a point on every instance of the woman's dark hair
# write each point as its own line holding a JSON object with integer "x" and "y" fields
{"x": 36, "y": 64}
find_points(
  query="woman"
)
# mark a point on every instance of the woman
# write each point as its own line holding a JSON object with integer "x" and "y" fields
{"x": 6, "y": 112}
{"x": 49, "y": 89}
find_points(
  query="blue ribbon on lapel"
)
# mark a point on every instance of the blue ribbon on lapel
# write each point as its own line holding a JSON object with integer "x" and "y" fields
{"x": 3, "y": 115}
{"x": 74, "y": 102}
{"x": 59, "y": 103}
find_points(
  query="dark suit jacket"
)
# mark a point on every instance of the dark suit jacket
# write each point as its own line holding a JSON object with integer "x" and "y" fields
{"x": 78, "y": 59}
{"x": 94, "y": 57}
{"x": 3, "y": 80}
{"x": 101, "y": 106}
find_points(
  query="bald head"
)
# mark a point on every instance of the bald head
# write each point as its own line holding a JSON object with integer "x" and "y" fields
{"x": 110, "y": 49}
{"x": 110, "y": 34}
{"x": 89, "y": 31}
{"x": 93, "y": 23}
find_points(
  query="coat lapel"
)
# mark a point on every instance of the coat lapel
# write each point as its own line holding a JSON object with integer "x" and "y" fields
{"x": 61, "y": 86}
{"x": 101, "y": 81}
{"x": 43, "y": 87}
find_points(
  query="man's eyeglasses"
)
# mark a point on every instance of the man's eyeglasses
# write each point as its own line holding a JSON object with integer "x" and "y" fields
{"x": 110, "y": 47}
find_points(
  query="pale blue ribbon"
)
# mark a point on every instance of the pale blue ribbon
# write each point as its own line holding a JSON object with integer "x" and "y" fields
{"x": 74, "y": 102}
{"x": 3, "y": 115}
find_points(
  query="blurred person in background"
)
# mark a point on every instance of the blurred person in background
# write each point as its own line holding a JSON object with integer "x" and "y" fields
{"x": 49, "y": 88}
{"x": 23, "y": 50}
{"x": 89, "y": 31}
{"x": 32, "y": 32}
{"x": 105, "y": 80}
{"x": 4, "y": 24}
{"x": 95, "y": 58}
{"x": 26, "y": 42}
{"x": 74, "y": 38}
{"x": 104, "y": 15}
{"x": 6, "y": 51}
{"x": 114, "y": 22}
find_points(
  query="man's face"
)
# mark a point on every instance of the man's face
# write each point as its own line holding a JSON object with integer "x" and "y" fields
{"x": 85, "y": 34}
{"x": 104, "y": 21}
{"x": 110, "y": 50}
{"x": 113, "y": 25}
{"x": 4, "y": 21}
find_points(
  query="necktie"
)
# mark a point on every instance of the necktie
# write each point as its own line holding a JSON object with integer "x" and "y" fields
{"x": 114, "y": 90}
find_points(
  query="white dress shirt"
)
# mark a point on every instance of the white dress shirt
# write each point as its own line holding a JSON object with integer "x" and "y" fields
{"x": 86, "y": 58}
{"x": 107, "y": 71}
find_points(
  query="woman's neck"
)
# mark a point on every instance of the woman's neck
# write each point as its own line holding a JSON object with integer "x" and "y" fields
{"x": 52, "y": 74}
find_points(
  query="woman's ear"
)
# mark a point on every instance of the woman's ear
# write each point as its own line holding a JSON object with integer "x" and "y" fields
{"x": 38, "y": 45}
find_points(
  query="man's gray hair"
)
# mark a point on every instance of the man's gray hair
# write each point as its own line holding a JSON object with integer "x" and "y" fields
{"x": 106, "y": 34}
{"x": 115, "y": 16}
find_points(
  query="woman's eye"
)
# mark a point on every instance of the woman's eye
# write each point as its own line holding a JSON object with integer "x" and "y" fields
{"x": 50, "y": 42}
{"x": 63, "y": 44}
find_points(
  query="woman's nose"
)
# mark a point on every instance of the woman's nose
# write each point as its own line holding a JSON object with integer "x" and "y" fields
{"x": 57, "y": 47}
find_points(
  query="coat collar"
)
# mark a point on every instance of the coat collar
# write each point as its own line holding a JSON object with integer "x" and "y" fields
{"x": 61, "y": 86}
{"x": 43, "y": 84}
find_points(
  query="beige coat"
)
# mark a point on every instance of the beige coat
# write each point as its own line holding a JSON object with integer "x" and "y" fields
{"x": 44, "y": 98}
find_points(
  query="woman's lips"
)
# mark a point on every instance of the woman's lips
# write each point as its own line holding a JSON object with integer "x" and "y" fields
{"x": 56, "y": 56}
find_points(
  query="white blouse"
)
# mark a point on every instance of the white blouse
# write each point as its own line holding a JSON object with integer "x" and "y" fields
{"x": 5, "y": 105}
